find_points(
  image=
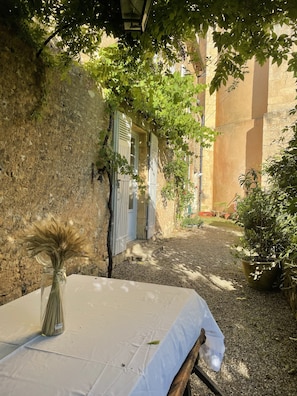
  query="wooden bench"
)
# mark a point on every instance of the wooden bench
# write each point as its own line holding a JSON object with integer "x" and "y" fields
{"x": 181, "y": 383}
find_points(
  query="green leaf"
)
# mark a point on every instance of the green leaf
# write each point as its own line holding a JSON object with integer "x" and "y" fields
{"x": 155, "y": 342}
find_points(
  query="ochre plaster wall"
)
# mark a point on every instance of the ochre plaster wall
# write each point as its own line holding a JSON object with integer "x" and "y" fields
{"x": 237, "y": 148}
{"x": 209, "y": 53}
{"x": 281, "y": 99}
{"x": 239, "y": 119}
{"x": 250, "y": 120}
{"x": 49, "y": 130}
{"x": 165, "y": 209}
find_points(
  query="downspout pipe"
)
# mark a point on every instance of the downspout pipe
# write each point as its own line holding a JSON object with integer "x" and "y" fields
{"x": 200, "y": 169}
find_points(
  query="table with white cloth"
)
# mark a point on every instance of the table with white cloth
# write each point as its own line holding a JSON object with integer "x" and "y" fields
{"x": 121, "y": 338}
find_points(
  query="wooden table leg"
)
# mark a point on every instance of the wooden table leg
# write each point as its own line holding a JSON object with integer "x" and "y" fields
{"x": 188, "y": 391}
{"x": 181, "y": 379}
{"x": 207, "y": 381}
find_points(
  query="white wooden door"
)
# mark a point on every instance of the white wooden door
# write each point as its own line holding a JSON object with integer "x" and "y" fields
{"x": 132, "y": 210}
{"x": 122, "y": 145}
{"x": 152, "y": 188}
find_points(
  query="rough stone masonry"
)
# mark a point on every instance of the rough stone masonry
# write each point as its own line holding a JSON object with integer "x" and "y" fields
{"x": 49, "y": 133}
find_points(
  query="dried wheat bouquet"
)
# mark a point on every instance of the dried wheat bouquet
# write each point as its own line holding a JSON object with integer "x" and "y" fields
{"x": 60, "y": 242}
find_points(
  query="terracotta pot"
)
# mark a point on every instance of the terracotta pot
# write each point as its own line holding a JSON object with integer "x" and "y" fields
{"x": 261, "y": 275}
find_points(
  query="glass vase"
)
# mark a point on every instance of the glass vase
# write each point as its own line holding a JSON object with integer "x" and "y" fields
{"x": 53, "y": 284}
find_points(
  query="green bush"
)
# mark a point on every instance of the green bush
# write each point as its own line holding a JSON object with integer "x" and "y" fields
{"x": 191, "y": 221}
{"x": 258, "y": 214}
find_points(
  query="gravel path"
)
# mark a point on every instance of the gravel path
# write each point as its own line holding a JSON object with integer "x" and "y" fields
{"x": 259, "y": 327}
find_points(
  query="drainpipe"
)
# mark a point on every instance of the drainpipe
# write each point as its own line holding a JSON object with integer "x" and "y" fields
{"x": 200, "y": 170}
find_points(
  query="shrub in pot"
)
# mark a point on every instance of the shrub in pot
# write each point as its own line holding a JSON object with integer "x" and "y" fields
{"x": 262, "y": 239}
{"x": 282, "y": 173}
{"x": 289, "y": 267}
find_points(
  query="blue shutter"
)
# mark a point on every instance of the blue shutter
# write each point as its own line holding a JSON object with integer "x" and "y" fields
{"x": 122, "y": 145}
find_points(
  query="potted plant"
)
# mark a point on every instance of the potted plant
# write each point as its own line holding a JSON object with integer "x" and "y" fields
{"x": 261, "y": 241}
{"x": 289, "y": 264}
{"x": 282, "y": 174}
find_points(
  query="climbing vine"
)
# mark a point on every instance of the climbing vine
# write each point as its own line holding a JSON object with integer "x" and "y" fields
{"x": 149, "y": 87}
{"x": 239, "y": 32}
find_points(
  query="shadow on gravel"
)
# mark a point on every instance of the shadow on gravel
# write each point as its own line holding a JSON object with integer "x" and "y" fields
{"x": 259, "y": 328}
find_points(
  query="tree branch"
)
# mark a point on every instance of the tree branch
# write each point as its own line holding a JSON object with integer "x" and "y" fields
{"x": 54, "y": 34}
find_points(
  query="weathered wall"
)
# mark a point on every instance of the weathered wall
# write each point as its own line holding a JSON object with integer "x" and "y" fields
{"x": 165, "y": 209}
{"x": 48, "y": 141}
{"x": 239, "y": 119}
{"x": 209, "y": 102}
{"x": 249, "y": 119}
{"x": 281, "y": 99}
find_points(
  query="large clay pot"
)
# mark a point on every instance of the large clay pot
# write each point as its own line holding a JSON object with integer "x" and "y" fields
{"x": 261, "y": 275}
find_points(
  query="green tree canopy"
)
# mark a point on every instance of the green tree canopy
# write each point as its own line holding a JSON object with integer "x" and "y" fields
{"x": 162, "y": 97}
{"x": 147, "y": 86}
{"x": 241, "y": 29}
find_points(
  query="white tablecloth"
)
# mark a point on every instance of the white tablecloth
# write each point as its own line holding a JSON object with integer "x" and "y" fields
{"x": 105, "y": 348}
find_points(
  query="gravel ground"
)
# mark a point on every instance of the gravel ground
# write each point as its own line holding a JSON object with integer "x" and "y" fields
{"x": 259, "y": 328}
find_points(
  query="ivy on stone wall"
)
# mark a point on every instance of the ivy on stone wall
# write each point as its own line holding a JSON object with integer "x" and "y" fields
{"x": 148, "y": 87}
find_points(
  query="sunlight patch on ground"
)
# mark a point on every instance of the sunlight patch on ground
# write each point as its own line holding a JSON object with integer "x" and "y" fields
{"x": 193, "y": 275}
{"x": 228, "y": 370}
{"x": 140, "y": 254}
{"x": 222, "y": 283}
{"x": 226, "y": 373}
{"x": 240, "y": 326}
{"x": 243, "y": 370}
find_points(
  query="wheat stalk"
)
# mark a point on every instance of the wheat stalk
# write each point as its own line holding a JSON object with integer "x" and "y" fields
{"x": 59, "y": 242}
{"x": 53, "y": 320}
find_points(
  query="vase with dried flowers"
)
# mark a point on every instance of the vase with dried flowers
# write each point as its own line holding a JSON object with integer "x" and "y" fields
{"x": 52, "y": 243}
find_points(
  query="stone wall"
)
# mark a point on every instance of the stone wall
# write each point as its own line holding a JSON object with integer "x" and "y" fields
{"x": 49, "y": 128}
{"x": 165, "y": 209}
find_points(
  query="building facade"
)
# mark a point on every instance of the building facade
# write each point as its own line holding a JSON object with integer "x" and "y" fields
{"x": 249, "y": 119}
{"x": 50, "y": 124}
